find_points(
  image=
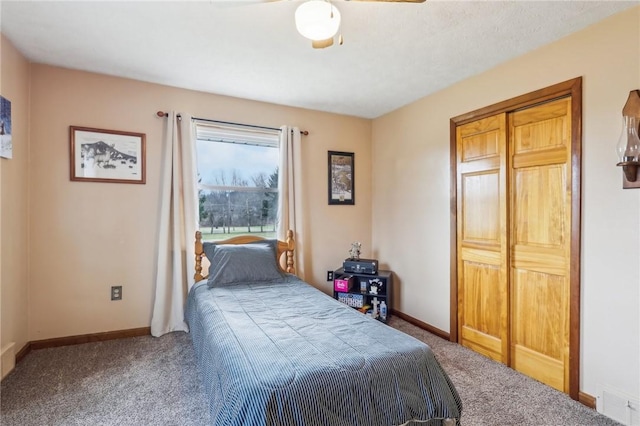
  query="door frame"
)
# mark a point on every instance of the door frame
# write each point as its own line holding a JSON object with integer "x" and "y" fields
{"x": 570, "y": 88}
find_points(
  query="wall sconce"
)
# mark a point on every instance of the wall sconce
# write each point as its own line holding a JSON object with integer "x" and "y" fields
{"x": 628, "y": 148}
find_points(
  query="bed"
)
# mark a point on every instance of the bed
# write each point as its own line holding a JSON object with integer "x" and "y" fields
{"x": 274, "y": 350}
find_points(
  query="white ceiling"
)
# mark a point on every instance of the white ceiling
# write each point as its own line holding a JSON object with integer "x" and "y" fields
{"x": 393, "y": 54}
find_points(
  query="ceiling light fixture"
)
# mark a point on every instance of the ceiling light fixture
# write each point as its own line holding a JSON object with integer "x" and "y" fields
{"x": 319, "y": 21}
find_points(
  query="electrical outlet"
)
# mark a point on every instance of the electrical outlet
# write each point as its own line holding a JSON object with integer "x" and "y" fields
{"x": 116, "y": 292}
{"x": 329, "y": 275}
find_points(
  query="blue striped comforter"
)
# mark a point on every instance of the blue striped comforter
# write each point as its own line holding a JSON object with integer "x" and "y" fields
{"x": 287, "y": 354}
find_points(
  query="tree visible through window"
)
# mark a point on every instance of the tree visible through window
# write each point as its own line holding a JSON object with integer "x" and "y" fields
{"x": 237, "y": 182}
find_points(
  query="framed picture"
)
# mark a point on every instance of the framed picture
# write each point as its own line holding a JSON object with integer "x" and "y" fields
{"x": 341, "y": 178}
{"x": 99, "y": 155}
{"x": 6, "y": 147}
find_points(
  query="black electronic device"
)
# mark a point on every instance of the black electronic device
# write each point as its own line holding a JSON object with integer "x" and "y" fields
{"x": 361, "y": 266}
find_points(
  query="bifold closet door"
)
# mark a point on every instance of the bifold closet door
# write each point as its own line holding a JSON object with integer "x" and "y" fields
{"x": 513, "y": 239}
{"x": 482, "y": 237}
{"x": 540, "y": 241}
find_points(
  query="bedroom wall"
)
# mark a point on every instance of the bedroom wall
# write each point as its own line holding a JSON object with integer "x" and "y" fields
{"x": 87, "y": 237}
{"x": 411, "y": 159}
{"x": 14, "y": 179}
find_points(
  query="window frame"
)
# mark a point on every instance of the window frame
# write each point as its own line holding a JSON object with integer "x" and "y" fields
{"x": 265, "y": 210}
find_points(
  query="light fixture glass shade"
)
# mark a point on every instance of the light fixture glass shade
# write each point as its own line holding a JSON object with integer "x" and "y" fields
{"x": 317, "y": 20}
{"x": 628, "y": 148}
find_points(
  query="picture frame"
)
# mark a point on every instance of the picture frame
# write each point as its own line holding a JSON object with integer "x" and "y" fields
{"x": 6, "y": 145}
{"x": 341, "y": 171}
{"x": 100, "y": 155}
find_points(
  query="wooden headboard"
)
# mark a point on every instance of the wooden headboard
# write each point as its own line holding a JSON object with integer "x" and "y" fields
{"x": 284, "y": 252}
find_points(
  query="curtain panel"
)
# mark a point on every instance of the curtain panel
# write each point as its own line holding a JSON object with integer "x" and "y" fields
{"x": 289, "y": 187}
{"x": 177, "y": 227}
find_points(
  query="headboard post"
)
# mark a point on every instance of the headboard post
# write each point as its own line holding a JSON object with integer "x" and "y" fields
{"x": 199, "y": 253}
{"x": 290, "y": 246}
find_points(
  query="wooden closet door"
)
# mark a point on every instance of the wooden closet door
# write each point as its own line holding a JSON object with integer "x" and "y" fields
{"x": 482, "y": 237}
{"x": 540, "y": 241}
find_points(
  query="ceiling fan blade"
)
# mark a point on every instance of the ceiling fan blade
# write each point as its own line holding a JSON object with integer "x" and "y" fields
{"x": 393, "y": 1}
{"x": 241, "y": 1}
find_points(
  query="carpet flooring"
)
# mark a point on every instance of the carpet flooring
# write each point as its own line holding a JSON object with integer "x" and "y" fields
{"x": 155, "y": 381}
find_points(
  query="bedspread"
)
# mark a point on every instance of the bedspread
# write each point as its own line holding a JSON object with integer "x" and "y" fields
{"x": 285, "y": 353}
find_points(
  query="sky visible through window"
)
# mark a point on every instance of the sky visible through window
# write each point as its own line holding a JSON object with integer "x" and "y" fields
{"x": 216, "y": 159}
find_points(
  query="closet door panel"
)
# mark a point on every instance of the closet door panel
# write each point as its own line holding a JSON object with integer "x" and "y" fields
{"x": 481, "y": 242}
{"x": 481, "y": 208}
{"x": 538, "y": 336}
{"x": 482, "y": 330}
{"x": 540, "y": 202}
{"x": 540, "y": 213}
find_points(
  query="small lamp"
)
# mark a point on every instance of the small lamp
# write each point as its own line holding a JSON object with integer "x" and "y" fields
{"x": 318, "y": 20}
{"x": 628, "y": 147}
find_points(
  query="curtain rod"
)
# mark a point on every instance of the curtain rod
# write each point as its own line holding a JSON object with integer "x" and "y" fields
{"x": 164, "y": 114}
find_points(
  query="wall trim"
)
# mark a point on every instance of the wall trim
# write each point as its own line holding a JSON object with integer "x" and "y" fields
{"x": 423, "y": 325}
{"x": 87, "y": 338}
{"x": 77, "y": 340}
{"x": 23, "y": 352}
{"x": 586, "y": 399}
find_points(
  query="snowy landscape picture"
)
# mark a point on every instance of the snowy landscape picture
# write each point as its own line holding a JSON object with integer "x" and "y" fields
{"x": 107, "y": 155}
{"x": 6, "y": 148}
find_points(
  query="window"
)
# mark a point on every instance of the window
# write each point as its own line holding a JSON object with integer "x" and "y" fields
{"x": 237, "y": 181}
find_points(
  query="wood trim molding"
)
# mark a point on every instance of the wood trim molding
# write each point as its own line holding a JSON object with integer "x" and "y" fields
{"x": 586, "y": 399}
{"x": 87, "y": 338}
{"x": 453, "y": 239}
{"x": 575, "y": 91}
{"x": 546, "y": 94}
{"x": 23, "y": 352}
{"x": 423, "y": 325}
{"x": 76, "y": 340}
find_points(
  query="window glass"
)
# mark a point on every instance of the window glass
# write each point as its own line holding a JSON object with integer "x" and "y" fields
{"x": 237, "y": 182}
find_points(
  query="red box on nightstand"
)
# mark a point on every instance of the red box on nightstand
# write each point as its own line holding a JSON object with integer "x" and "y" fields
{"x": 343, "y": 283}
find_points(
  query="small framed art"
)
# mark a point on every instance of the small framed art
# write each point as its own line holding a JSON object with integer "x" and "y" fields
{"x": 341, "y": 178}
{"x": 99, "y": 155}
{"x": 6, "y": 147}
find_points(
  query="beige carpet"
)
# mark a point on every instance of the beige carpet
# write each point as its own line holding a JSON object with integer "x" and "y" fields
{"x": 155, "y": 381}
{"x": 493, "y": 394}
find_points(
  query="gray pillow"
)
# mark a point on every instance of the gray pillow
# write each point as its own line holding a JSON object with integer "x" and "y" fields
{"x": 209, "y": 247}
{"x": 237, "y": 263}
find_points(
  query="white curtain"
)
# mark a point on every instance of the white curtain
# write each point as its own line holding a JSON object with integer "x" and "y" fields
{"x": 288, "y": 186}
{"x": 178, "y": 224}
